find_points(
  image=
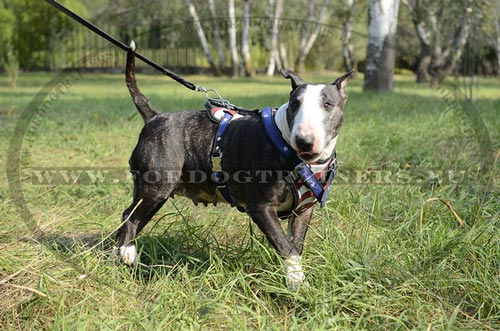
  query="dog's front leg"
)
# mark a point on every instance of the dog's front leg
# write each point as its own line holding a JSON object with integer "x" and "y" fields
{"x": 267, "y": 220}
{"x": 297, "y": 229}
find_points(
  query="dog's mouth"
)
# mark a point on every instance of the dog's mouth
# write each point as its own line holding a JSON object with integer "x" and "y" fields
{"x": 308, "y": 156}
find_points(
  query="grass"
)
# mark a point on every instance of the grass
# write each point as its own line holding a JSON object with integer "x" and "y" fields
{"x": 381, "y": 255}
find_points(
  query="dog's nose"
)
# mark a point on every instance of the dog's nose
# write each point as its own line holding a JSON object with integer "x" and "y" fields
{"x": 305, "y": 143}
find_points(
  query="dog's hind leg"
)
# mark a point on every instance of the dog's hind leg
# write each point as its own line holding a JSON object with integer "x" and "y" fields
{"x": 135, "y": 218}
{"x": 148, "y": 199}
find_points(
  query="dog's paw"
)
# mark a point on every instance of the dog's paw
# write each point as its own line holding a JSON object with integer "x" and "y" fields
{"x": 294, "y": 274}
{"x": 128, "y": 255}
{"x": 293, "y": 285}
{"x": 132, "y": 46}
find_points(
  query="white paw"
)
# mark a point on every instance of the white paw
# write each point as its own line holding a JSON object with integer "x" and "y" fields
{"x": 128, "y": 254}
{"x": 295, "y": 275}
{"x": 132, "y": 46}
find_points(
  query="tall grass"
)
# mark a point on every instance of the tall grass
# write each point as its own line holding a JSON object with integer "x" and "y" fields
{"x": 381, "y": 255}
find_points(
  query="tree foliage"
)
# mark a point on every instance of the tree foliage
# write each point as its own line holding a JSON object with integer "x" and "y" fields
{"x": 35, "y": 29}
{"x": 442, "y": 28}
{"x": 41, "y": 37}
{"x": 6, "y": 32}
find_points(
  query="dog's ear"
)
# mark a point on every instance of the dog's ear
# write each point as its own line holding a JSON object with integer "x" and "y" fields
{"x": 296, "y": 79}
{"x": 342, "y": 82}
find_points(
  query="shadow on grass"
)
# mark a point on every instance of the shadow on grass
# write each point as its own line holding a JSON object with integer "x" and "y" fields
{"x": 187, "y": 248}
{"x": 193, "y": 248}
{"x": 70, "y": 244}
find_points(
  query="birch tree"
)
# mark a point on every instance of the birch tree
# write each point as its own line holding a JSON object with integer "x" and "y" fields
{"x": 235, "y": 62}
{"x": 442, "y": 29}
{"x": 216, "y": 33}
{"x": 245, "y": 40}
{"x": 309, "y": 35}
{"x": 380, "y": 51}
{"x": 201, "y": 35}
{"x": 282, "y": 51}
{"x": 348, "y": 56}
{"x": 273, "y": 53}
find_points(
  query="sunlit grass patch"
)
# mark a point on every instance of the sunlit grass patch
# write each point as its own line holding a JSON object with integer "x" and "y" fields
{"x": 383, "y": 253}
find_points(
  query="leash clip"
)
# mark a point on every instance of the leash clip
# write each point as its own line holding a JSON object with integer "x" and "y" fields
{"x": 200, "y": 89}
{"x": 218, "y": 100}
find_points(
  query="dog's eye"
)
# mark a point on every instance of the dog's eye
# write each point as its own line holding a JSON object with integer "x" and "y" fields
{"x": 327, "y": 104}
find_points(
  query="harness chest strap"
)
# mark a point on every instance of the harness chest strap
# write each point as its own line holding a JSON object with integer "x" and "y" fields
{"x": 303, "y": 170}
{"x": 224, "y": 116}
{"x": 303, "y": 175}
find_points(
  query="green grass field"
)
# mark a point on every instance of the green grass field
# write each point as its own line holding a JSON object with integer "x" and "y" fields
{"x": 382, "y": 255}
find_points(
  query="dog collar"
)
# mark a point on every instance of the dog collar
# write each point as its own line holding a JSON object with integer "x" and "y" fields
{"x": 317, "y": 182}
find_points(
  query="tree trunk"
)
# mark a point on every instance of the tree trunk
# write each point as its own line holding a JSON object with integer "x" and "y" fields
{"x": 218, "y": 41}
{"x": 299, "y": 61}
{"x": 453, "y": 53}
{"x": 235, "y": 62}
{"x": 245, "y": 40}
{"x": 439, "y": 53}
{"x": 283, "y": 53}
{"x": 497, "y": 28}
{"x": 380, "y": 51}
{"x": 273, "y": 53}
{"x": 308, "y": 40}
{"x": 347, "y": 48}
{"x": 423, "y": 64}
{"x": 202, "y": 37}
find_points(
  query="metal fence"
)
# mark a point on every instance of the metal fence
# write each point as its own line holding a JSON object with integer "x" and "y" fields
{"x": 75, "y": 49}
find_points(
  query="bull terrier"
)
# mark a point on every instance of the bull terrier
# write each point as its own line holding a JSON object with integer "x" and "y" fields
{"x": 173, "y": 146}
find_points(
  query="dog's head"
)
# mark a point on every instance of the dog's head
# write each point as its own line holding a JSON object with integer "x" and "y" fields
{"x": 315, "y": 115}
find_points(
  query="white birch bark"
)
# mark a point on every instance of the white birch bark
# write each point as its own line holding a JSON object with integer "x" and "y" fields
{"x": 347, "y": 48}
{"x": 273, "y": 53}
{"x": 282, "y": 51}
{"x": 235, "y": 62}
{"x": 380, "y": 51}
{"x": 218, "y": 41}
{"x": 245, "y": 40}
{"x": 308, "y": 39}
{"x": 439, "y": 54}
{"x": 201, "y": 35}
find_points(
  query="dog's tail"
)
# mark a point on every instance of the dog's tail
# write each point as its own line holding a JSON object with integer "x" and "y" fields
{"x": 142, "y": 103}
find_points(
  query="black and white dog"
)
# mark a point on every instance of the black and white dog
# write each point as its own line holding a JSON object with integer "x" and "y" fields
{"x": 174, "y": 145}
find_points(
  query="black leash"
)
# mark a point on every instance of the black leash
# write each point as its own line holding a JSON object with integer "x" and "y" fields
{"x": 118, "y": 43}
{"x": 218, "y": 100}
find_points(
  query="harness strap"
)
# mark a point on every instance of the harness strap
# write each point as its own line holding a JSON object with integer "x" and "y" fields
{"x": 273, "y": 134}
{"x": 310, "y": 180}
{"x": 300, "y": 168}
{"x": 217, "y": 174}
{"x": 331, "y": 177}
{"x": 302, "y": 171}
{"x": 217, "y": 148}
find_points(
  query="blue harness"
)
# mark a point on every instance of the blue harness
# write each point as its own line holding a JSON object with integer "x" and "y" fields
{"x": 319, "y": 187}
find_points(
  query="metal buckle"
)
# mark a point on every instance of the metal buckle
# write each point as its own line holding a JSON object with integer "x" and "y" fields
{"x": 334, "y": 164}
{"x": 216, "y": 163}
